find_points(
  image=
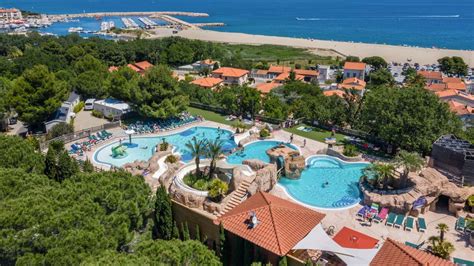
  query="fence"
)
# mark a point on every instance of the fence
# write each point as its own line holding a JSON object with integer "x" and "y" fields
{"x": 80, "y": 134}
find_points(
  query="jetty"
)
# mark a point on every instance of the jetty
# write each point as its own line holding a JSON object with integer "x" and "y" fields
{"x": 129, "y": 23}
{"x": 211, "y": 24}
{"x": 175, "y": 21}
{"x": 147, "y": 22}
{"x": 128, "y": 14}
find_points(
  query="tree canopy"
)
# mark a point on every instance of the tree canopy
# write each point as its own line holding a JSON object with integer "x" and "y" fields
{"x": 453, "y": 65}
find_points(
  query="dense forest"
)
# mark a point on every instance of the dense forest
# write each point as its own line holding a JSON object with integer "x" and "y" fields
{"x": 82, "y": 218}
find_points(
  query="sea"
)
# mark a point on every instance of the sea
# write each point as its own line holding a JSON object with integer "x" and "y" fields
{"x": 424, "y": 23}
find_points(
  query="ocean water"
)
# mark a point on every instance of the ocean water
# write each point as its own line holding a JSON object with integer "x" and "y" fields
{"x": 426, "y": 23}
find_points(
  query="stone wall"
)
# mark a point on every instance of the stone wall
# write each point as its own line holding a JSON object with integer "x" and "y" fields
{"x": 338, "y": 154}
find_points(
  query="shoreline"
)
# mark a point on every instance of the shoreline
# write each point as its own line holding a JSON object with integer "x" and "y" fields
{"x": 391, "y": 53}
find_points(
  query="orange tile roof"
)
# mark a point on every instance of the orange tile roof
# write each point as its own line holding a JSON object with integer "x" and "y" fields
{"x": 143, "y": 65}
{"x": 446, "y": 93}
{"x": 282, "y": 224}
{"x": 134, "y": 68}
{"x": 457, "y": 86}
{"x": 267, "y": 87}
{"x": 459, "y": 108}
{"x": 279, "y": 69}
{"x": 431, "y": 74}
{"x": 261, "y": 72}
{"x": 395, "y": 253}
{"x": 306, "y": 72}
{"x": 349, "y": 238}
{"x": 208, "y": 82}
{"x": 286, "y": 75}
{"x": 339, "y": 93}
{"x": 352, "y": 83}
{"x": 434, "y": 87}
{"x": 113, "y": 68}
{"x": 230, "y": 72}
{"x": 354, "y": 65}
{"x": 452, "y": 80}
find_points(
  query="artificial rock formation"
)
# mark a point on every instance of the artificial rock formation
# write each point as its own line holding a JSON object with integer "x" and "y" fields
{"x": 429, "y": 184}
{"x": 265, "y": 176}
{"x": 294, "y": 163}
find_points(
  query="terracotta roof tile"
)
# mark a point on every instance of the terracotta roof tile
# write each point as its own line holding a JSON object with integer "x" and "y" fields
{"x": 282, "y": 224}
{"x": 267, "y": 87}
{"x": 339, "y": 93}
{"x": 349, "y": 238}
{"x": 306, "y": 72}
{"x": 434, "y": 87}
{"x": 352, "y": 83}
{"x": 354, "y": 65}
{"x": 286, "y": 75}
{"x": 143, "y": 65}
{"x": 279, "y": 69}
{"x": 207, "y": 82}
{"x": 460, "y": 108}
{"x": 113, "y": 68}
{"x": 134, "y": 68}
{"x": 395, "y": 253}
{"x": 230, "y": 72}
{"x": 431, "y": 74}
{"x": 457, "y": 86}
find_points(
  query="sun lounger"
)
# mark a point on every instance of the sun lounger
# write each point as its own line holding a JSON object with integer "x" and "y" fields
{"x": 409, "y": 221}
{"x": 411, "y": 244}
{"x": 391, "y": 219}
{"x": 381, "y": 216}
{"x": 463, "y": 262}
{"x": 460, "y": 224}
{"x": 362, "y": 211}
{"x": 421, "y": 224}
{"x": 399, "y": 220}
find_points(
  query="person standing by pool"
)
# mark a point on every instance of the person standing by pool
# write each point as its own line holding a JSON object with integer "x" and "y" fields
{"x": 304, "y": 143}
{"x": 291, "y": 138}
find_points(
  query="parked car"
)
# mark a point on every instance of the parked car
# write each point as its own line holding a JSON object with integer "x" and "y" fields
{"x": 89, "y": 105}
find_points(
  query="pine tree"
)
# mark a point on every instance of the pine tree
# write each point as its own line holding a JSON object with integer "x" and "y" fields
{"x": 185, "y": 231}
{"x": 66, "y": 167}
{"x": 50, "y": 163}
{"x": 163, "y": 216}
{"x": 308, "y": 263}
{"x": 197, "y": 234}
{"x": 221, "y": 240}
{"x": 88, "y": 167}
{"x": 175, "y": 231}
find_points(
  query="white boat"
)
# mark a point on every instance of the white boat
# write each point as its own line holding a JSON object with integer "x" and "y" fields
{"x": 75, "y": 29}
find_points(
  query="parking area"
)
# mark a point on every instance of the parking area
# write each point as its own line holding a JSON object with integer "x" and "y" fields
{"x": 85, "y": 119}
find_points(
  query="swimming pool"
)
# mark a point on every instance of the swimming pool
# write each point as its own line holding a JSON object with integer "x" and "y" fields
{"x": 340, "y": 191}
{"x": 144, "y": 148}
{"x": 255, "y": 150}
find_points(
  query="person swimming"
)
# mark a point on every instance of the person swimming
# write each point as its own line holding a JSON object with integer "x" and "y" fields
{"x": 325, "y": 184}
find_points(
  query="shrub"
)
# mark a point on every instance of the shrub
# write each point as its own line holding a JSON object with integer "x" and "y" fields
{"x": 201, "y": 184}
{"x": 97, "y": 114}
{"x": 59, "y": 130}
{"x": 264, "y": 133}
{"x": 217, "y": 189}
{"x": 79, "y": 107}
{"x": 171, "y": 159}
{"x": 297, "y": 66}
{"x": 190, "y": 179}
{"x": 350, "y": 150}
{"x": 164, "y": 145}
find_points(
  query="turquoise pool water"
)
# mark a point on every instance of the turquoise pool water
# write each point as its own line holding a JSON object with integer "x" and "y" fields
{"x": 144, "y": 147}
{"x": 255, "y": 150}
{"x": 341, "y": 191}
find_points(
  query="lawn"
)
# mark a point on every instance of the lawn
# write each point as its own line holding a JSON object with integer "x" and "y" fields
{"x": 209, "y": 115}
{"x": 316, "y": 134}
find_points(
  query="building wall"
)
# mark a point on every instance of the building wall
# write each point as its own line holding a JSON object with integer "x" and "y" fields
{"x": 193, "y": 217}
{"x": 107, "y": 110}
{"x": 349, "y": 73}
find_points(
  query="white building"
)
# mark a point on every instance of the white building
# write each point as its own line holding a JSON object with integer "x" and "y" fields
{"x": 112, "y": 107}
{"x": 323, "y": 73}
{"x": 10, "y": 14}
{"x": 64, "y": 113}
{"x": 355, "y": 70}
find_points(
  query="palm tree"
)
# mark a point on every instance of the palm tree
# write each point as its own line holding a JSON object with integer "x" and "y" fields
{"x": 214, "y": 149}
{"x": 440, "y": 248}
{"x": 197, "y": 149}
{"x": 443, "y": 228}
{"x": 411, "y": 162}
{"x": 380, "y": 172}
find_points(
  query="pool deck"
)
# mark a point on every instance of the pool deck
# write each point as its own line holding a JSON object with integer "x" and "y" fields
{"x": 348, "y": 218}
{"x": 344, "y": 217}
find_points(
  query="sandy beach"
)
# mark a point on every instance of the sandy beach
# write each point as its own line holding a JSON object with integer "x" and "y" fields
{"x": 400, "y": 54}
